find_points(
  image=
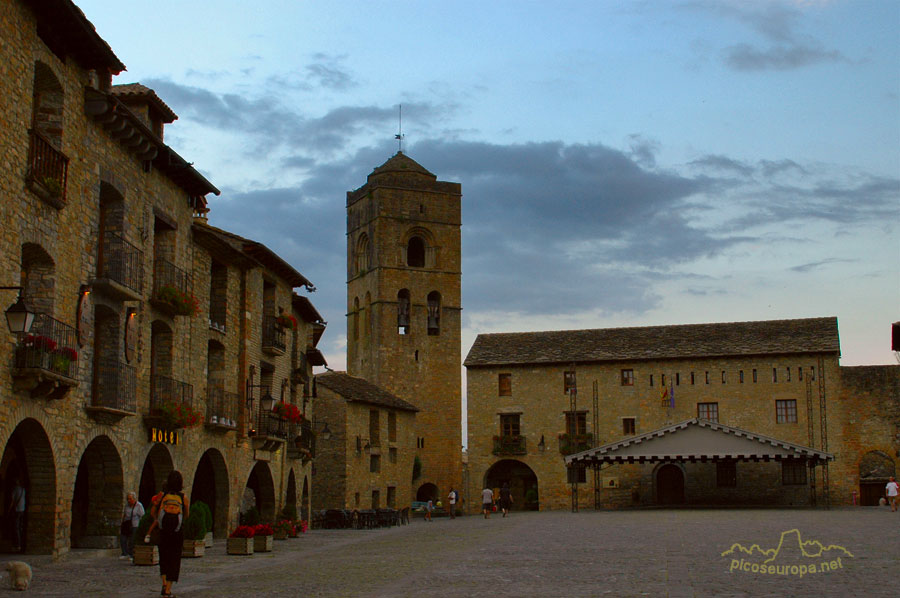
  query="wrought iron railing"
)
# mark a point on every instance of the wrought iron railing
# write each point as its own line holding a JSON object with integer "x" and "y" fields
{"x": 122, "y": 262}
{"x": 49, "y": 167}
{"x": 272, "y": 334}
{"x": 304, "y": 437}
{"x": 575, "y": 443}
{"x": 50, "y": 345}
{"x": 165, "y": 390}
{"x": 115, "y": 386}
{"x": 167, "y": 274}
{"x": 509, "y": 445}
{"x": 221, "y": 407}
{"x": 271, "y": 425}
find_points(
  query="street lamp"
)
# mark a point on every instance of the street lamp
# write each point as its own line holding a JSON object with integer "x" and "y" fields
{"x": 18, "y": 316}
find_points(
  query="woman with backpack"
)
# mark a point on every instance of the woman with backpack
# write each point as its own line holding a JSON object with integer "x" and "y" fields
{"x": 170, "y": 509}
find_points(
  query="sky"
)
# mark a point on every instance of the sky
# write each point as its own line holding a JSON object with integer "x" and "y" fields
{"x": 622, "y": 163}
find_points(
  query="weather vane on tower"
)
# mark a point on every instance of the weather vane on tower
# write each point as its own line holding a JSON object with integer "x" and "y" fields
{"x": 399, "y": 136}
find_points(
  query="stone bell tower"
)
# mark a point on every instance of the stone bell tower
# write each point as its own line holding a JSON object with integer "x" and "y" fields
{"x": 403, "y": 306}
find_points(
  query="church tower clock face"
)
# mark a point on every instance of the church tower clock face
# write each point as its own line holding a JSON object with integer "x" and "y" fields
{"x": 404, "y": 307}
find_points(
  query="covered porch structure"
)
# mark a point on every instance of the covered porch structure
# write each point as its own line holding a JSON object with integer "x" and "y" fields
{"x": 697, "y": 462}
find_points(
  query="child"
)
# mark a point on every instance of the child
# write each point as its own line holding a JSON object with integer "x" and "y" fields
{"x": 428, "y": 509}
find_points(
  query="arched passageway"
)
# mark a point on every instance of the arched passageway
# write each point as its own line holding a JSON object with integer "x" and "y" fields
{"x": 304, "y": 501}
{"x": 670, "y": 485}
{"x": 290, "y": 495}
{"x": 262, "y": 488}
{"x": 523, "y": 483}
{"x": 426, "y": 492}
{"x": 98, "y": 496}
{"x": 211, "y": 487}
{"x": 29, "y": 457}
{"x": 156, "y": 469}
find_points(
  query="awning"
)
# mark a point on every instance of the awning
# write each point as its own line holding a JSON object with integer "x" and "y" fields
{"x": 696, "y": 440}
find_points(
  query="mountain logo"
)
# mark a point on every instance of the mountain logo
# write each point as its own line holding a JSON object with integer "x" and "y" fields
{"x": 792, "y": 556}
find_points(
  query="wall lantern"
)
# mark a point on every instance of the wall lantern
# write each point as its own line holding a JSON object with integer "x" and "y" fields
{"x": 19, "y": 317}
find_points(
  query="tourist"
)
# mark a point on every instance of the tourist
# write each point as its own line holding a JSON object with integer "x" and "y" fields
{"x": 17, "y": 509}
{"x": 505, "y": 498}
{"x": 170, "y": 509}
{"x": 451, "y": 500}
{"x": 429, "y": 507}
{"x": 892, "y": 491}
{"x": 131, "y": 517}
{"x": 487, "y": 502}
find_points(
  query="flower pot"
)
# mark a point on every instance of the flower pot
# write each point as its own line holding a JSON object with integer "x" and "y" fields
{"x": 281, "y": 535}
{"x": 145, "y": 554}
{"x": 208, "y": 540}
{"x": 240, "y": 546}
{"x": 192, "y": 548}
{"x": 262, "y": 543}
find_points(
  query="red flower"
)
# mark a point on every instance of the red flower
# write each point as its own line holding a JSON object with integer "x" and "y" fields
{"x": 243, "y": 531}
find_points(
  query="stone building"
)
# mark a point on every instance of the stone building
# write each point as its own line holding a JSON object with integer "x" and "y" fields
{"x": 403, "y": 306}
{"x": 157, "y": 336}
{"x": 733, "y": 413}
{"x": 366, "y": 461}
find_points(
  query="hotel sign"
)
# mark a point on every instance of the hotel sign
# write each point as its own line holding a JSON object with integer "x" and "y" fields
{"x": 164, "y": 436}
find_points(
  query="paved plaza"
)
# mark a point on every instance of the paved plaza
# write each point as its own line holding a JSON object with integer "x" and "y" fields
{"x": 659, "y": 553}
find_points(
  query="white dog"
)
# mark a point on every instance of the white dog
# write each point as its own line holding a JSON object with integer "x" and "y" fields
{"x": 19, "y": 574}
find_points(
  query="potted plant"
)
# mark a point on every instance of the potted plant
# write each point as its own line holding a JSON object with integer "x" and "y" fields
{"x": 263, "y": 536}
{"x": 207, "y": 521}
{"x": 62, "y": 358}
{"x": 288, "y": 411}
{"x": 283, "y": 529}
{"x": 286, "y": 321}
{"x": 194, "y": 533}
{"x": 240, "y": 541}
{"x": 145, "y": 554}
{"x": 179, "y": 415}
{"x": 180, "y": 302}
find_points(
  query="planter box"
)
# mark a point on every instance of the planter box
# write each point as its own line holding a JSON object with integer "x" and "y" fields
{"x": 280, "y": 535}
{"x": 263, "y": 543}
{"x": 146, "y": 554}
{"x": 240, "y": 546}
{"x": 209, "y": 540}
{"x": 193, "y": 548}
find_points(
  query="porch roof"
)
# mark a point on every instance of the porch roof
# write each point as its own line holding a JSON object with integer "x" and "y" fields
{"x": 697, "y": 440}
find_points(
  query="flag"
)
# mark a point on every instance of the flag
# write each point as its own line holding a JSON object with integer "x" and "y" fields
{"x": 672, "y": 395}
{"x": 664, "y": 394}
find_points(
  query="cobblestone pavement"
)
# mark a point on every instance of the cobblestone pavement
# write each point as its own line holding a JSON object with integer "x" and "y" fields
{"x": 660, "y": 553}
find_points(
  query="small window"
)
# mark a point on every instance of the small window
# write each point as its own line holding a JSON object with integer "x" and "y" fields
{"x": 627, "y": 377}
{"x": 786, "y": 411}
{"x": 403, "y": 311}
{"x": 376, "y": 499}
{"x": 774, "y": 374}
{"x": 374, "y": 427}
{"x": 754, "y": 376}
{"x": 391, "y": 497}
{"x": 793, "y": 473}
{"x": 577, "y": 474}
{"x": 812, "y": 373}
{"x": 392, "y": 427}
{"x": 800, "y": 374}
{"x": 708, "y": 411}
{"x": 707, "y": 377}
{"x": 741, "y": 376}
{"x": 662, "y": 380}
{"x": 726, "y": 474}
{"x": 392, "y": 454}
{"x": 723, "y": 376}
{"x": 576, "y": 423}
{"x": 568, "y": 381}
{"x": 677, "y": 379}
{"x": 433, "y": 323}
{"x": 509, "y": 424}
{"x": 415, "y": 253}
{"x": 628, "y": 426}
{"x": 505, "y": 385}
{"x": 692, "y": 378}
{"x": 651, "y": 379}
{"x": 375, "y": 463}
{"x": 356, "y": 498}
{"x": 787, "y": 374}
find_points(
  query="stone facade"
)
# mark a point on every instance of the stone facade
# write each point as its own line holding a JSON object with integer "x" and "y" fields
{"x": 367, "y": 460}
{"x": 403, "y": 306}
{"x": 142, "y": 307}
{"x": 521, "y": 380}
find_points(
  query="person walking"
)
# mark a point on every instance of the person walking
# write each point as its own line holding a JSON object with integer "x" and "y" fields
{"x": 17, "y": 509}
{"x": 131, "y": 517}
{"x": 487, "y": 502}
{"x": 451, "y": 500}
{"x": 429, "y": 507}
{"x": 892, "y": 490}
{"x": 169, "y": 510}
{"x": 505, "y": 498}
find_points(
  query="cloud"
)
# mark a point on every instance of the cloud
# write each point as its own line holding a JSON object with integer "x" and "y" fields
{"x": 744, "y": 57}
{"x": 820, "y": 264}
{"x": 328, "y": 73}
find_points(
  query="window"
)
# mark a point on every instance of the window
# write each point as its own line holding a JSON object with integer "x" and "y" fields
{"x": 355, "y": 330}
{"x": 627, "y": 377}
{"x": 708, "y": 411}
{"x": 786, "y": 411}
{"x": 375, "y": 463}
{"x": 726, "y": 474}
{"x": 376, "y": 499}
{"x": 741, "y": 376}
{"x": 392, "y": 454}
{"x": 723, "y": 376}
{"x": 391, "y": 496}
{"x": 505, "y": 385}
{"x": 793, "y": 473}
{"x": 774, "y": 374}
{"x": 707, "y": 377}
{"x": 420, "y": 442}
{"x": 754, "y": 376}
{"x": 218, "y": 295}
{"x": 651, "y": 379}
{"x": 677, "y": 379}
{"x": 692, "y": 378}
{"x": 576, "y": 422}
{"x": 434, "y": 313}
{"x": 415, "y": 253}
{"x": 812, "y": 373}
{"x": 800, "y": 374}
{"x": 577, "y": 474}
{"x": 568, "y": 381}
{"x": 392, "y": 427}
{"x": 374, "y": 427}
{"x": 787, "y": 374}
{"x": 403, "y": 311}
{"x": 628, "y": 426}
{"x": 362, "y": 255}
{"x": 509, "y": 424}
{"x": 356, "y": 499}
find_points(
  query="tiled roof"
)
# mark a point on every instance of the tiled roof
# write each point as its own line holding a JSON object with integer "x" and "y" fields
{"x": 771, "y": 337}
{"x": 137, "y": 91}
{"x": 357, "y": 389}
{"x": 401, "y": 163}
{"x": 66, "y": 28}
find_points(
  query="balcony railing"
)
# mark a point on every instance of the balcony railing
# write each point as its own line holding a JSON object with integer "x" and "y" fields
{"x": 172, "y": 289}
{"x": 123, "y": 263}
{"x": 221, "y": 408}
{"x": 509, "y": 445}
{"x": 165, "y": 390}
{"x": 273, "y": 336}
{"x": 303, "y": 441}
{"x": 115, "y": 386}
{"x": 270, "y": 425}
{"x": 575, "y": 443}
{"x": 48, "y": 171}
{"x": 51, "y": 346}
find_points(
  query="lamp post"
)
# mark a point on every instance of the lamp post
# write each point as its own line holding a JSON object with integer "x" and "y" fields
{"x": 19, "y": 317}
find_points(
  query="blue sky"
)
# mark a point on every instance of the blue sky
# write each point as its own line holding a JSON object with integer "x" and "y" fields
{"x": 622, "y": 163}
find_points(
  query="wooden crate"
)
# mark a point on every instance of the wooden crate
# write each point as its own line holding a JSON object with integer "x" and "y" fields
{"x": 146, "y": 554}
{"x": 263, "y": 543}
{"x": 240, "y": 546}
{"x": 193, "y": 548}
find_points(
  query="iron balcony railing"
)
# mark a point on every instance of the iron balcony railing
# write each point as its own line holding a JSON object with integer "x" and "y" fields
{"x": 271, "y": 425}
{"x": 509, "y": 445}
{"x": 304, "y": 437}
{"x": 49, "y": 166}
{"x": 51, "y": 345}
{"x": 167, "y": 274}
{"x": 165, "y": 390}
{"x": 221, "y": 407}
{"x": 122, "y": 262}
{"x": 272, "y": 334}
{"x": 115, "y": 386}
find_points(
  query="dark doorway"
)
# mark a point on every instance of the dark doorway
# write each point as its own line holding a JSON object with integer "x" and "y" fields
{"x": 523, "y": 483}
{"x": 670, "y": 485}
{"x": 261, "y": 484}
{"x": 157, "y": 466}
{"x": 211, "y": 487}
{"x": 427, "y": 492}
{"x": 98, "y": 498}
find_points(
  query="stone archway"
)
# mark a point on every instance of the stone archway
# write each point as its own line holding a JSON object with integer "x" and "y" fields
{"x": 98, "y": 496}
{"x": 304, "y": 500}
{"x": 211, "y": 487}
{"x": 156, "y": 469}
{"x": 875, "y": 469}
{"x": 290, "y": 495}
{"x": 523, "y": 483}
{"x": 28, "y": 454}
{"x": 426, "y": 492}
{"x": 261, "y": 485}
{"x": 669, "y": 485}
